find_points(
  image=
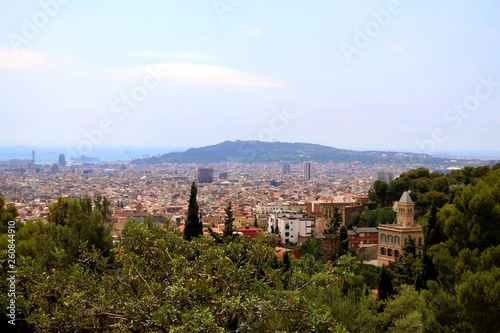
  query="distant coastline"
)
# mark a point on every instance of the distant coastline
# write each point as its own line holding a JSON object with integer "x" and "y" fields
{"x": 50, "y": 154}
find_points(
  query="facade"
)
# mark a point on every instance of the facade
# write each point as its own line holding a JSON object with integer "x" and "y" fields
{"x": 286, "y": 168}
{"x": 205, "y": 175}
{"x": 291, "y": 226}
{"x": 62, "y": 160}
{"x": 249, "y": 231}
{"x": 393, "y": 236}
{"x": 307, "y": 170}
{"x": 323, "y": 210}
{"x": 362, "y": 236}
{"x": 385, "y": 176}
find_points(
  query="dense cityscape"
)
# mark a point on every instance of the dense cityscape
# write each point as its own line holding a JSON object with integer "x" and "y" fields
{"x": 249, "y": 166}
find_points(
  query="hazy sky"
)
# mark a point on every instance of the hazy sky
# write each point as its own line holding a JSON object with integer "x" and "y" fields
{"x": 386, "y": 75}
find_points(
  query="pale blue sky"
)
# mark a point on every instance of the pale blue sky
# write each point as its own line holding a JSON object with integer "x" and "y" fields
{"x": 274, "y": 70}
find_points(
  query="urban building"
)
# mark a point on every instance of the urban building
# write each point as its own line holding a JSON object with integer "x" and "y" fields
{"x": 290, "y": 226}
{"x": 287, "y": 168}
{"x": 307, "y": 170}
{"x": 393, "y": 236}
{"x": 205, "y": 175}
{"x": 385, "y": 176}
{"x": 62, "y": 160}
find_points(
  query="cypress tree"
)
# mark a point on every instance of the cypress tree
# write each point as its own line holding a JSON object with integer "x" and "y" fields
{"x": 385, "y": 288}
{"x": 431, "y": 237}
{"x": 228, "y": 220}
{"x": 193, "y": 227}
{"x": 343, "y": 241}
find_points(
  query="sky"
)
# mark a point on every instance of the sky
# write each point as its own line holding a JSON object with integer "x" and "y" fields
{"x": 414, "y": 76}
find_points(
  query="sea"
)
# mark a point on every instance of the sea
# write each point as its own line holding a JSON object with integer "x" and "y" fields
{"x": 50, "y": 154}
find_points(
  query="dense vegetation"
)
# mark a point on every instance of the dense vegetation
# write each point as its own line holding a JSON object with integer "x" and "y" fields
{"x": 72, "y": 277}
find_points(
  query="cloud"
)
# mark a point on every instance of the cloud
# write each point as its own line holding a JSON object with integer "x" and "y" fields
{"x": 187, "y": 72}
{"x": 254, "y": 32}
{"x": 179, "y": 56}
{"x": 11, "y": 59}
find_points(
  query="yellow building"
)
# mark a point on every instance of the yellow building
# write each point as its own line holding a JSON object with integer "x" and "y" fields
{"x": 391, "y": 237}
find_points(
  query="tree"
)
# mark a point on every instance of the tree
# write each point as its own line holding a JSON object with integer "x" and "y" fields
{"x": 380, "y": 194}
{"x": 228, "y": 221}
{"x": 406, "y": 268}
{"x": 343, "y": 241}
{"x": 431, "y": 237}
{"x": 193, "y": 227}
{"x": 385, "y": 288}
{"x": 7, "y": 213}
{"x": 255, "y": 222}
{"x": 331, "y": 233}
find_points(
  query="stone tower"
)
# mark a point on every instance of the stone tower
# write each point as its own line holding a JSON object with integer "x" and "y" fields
{"x": 405, "y": 210}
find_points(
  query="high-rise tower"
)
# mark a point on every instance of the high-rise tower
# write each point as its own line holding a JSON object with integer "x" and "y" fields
{"x": 62, "y": 160}
{"x": 307, "y": 170}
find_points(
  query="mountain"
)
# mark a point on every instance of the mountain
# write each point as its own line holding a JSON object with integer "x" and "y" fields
{"x": 267, "y": 152}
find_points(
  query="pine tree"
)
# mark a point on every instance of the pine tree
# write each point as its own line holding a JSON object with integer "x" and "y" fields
{"x": 228, "y": 220}
{"x": 255, "y": 222}
{"x": 193, "y": 227}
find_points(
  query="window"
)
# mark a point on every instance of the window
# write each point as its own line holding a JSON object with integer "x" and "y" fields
{"x": 382, "y": 238}
{"x": 410, "y": 210}
{"x": 389, "y": 252}
{"x": 420, "y": 241}
{"x": 382, "y": 251}
{"x": 287, "y": 234}
{"x": 389, "y": 239}
{"x": 396, "y": 240}
{"x": 361, "y": 235}
{"x": 396, "y": 253}
{"x": 287, "y": 226}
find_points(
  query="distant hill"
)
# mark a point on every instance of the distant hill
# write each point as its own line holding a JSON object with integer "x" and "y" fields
{"x": 267, "y": 152}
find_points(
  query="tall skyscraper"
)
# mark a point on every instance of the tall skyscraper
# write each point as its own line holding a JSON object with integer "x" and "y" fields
{"x": 307, "y": 170}
{"x": 205, "y": 175}
{"x": 33, "y": 158}
{"x": 62, "y": 160}
{"x": 286, "y": 168}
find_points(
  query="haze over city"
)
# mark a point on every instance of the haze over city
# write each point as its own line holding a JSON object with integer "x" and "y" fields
{"x": 389, "y": 75}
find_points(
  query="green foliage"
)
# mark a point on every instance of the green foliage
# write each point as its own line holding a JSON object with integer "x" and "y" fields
{"x": 161, "y": 282}
{"x": 464, "y": 296}
{"x": 431, "y": 237}
{"x": 330, "y": 249}
{"x": 193, "y": 227}
{"x": 373, "y": 218}
{"x": 406, "y": 269}
{"x": 343, "y": 241}
{"x": 380, "y": 194}
{"x": 385, "y": 287}
{"x": 311, "y": 246}
{"x": 228, "y": 221}
{"x": 7, "y": 213}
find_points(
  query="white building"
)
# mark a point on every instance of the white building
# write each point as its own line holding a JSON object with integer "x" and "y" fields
{"x": 290, "y": 226}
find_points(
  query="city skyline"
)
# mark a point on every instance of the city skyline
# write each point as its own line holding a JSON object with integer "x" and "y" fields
{"x": 384, "y": 75}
